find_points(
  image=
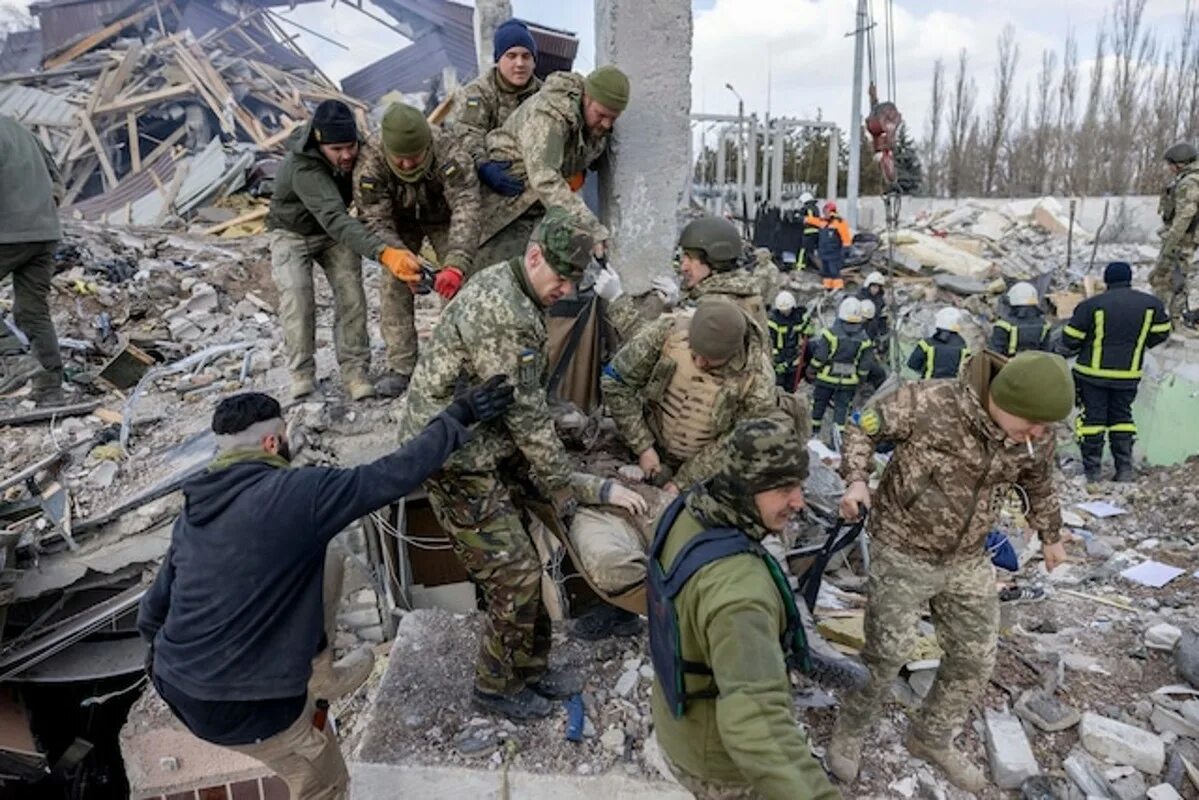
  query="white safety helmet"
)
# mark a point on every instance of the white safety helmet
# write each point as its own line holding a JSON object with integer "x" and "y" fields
{"x": 876, "y": 279}
{"x": 850, "y": 310}
{"x": 806, "y": 197}
{"x": 784, "y": 301}
{"x": 1022, "y": 294}
{"x": 868, "y": 309}
{"x": 949, "y": 319}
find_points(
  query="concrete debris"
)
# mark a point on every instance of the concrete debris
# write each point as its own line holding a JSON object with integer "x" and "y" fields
{"x": 1045, "y": 711}
{"x": 1186, "y": 656}
{"x": 1011, "y": 757}
{"x": 1122, "y": 743}
{"x": 1163, "y": 791}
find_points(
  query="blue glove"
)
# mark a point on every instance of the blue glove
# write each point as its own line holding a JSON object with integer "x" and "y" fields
{"x": 1003, "y": 555}
{"x": 495, "y": 174}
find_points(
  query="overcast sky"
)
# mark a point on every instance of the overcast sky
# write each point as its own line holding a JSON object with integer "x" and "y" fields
{"x": 797, "y": 48}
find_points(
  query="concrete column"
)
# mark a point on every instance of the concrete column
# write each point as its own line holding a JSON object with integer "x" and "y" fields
{"x": 647, "y": 171}
{"x": 776, "y": 164}
{"x": 751, "y": 167}
{"x": 488, "y": 16}
{"x": 721, "y": 154}
{"x": 834, "y": 152}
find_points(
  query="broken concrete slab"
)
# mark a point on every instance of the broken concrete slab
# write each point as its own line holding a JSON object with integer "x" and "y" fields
{"x": 1120, "y": 743}
{"x": 1010, "y": 754}
{"x": 1164, "y": 720}
{"x": 1163, "y": 791}
{"x": 1086, "y": 772}
{"x": 1045, "y": 711}
{"x": 937, "y": 254}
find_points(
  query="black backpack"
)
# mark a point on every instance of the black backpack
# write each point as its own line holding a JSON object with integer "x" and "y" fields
{"x": 665, "y": 648}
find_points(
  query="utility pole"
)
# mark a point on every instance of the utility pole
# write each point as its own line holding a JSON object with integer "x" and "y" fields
{"x": 742, "y": 207}
{"x": 855, "y": 118}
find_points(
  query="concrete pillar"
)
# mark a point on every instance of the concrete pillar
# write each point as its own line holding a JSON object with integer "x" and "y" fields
{"x": 488, "y": 16}
{"x": 751, "y": 167}
{"x": 648, "y": 168}
{"x": 722, "y": 151}
{"x": 776, "y": 164}
{"x": 834, "y": 152}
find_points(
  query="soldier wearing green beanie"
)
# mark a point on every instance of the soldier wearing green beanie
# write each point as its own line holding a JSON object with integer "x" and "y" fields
{"x": 960, "y": 445}
{"x": 547, "y": 144}
{"x": 412, "y": 183}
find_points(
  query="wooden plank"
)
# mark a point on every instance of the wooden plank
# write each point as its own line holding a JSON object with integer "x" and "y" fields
{"x": 96, "y": 39}
{"x": 98, "y": 146}
{"x": 87, "y": 166}
{"x": 135, "y": 148}
{"x": 168, "y": 197}
{"x": 165, "y": 146}
{"x": 140, "y": 100}
{"x": 272, "y": 142}
{"x": 249, "y": 216}
{"x": 43, "y": 414}
{"x": 124, "y": 70}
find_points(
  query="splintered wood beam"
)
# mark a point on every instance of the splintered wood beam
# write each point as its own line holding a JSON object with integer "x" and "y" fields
{"x": 135, "y": 148}
{"x": 96, "y": 39}
{"x": 149, "y": 98}
{"x": 98, "y": 147}
{"x": 124, "y": 70}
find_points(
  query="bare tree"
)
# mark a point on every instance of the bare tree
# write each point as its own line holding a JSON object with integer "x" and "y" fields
{"x": 961, "y": 114}
{"x": 933, "y": 141}
{"x": 1067, "y": 97}
{"x": 1087, "y": 143}
{"x": 997, "y": 125}
{"x": 1043, "y": 133}
{"x": 1132, "y": 50}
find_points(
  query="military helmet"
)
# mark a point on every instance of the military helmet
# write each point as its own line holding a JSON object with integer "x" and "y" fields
{"x": 784, "y": 301}
{"x": 716, "y": 238}
{"x": 876, "y": 279}
{"x": 868, "y": 309}
{"x": 850, "y": 310}
{"x": 1022, "y": 294}
{"x": 948, "y": 319}
{"x": 1181, "y": 153}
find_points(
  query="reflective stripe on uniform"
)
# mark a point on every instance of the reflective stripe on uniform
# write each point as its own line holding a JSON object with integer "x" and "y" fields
{"x": 824, "y": 372}
{"x": 1123, "y": 427}
{"x": 1073, "y": 333}
{"x": 929, "y": 358}
{"x": 1011, "y": 335}
{"x": 1095, "y": 368}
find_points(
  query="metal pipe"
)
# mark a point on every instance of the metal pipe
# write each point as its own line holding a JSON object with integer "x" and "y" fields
{"x": 855, "y": 119}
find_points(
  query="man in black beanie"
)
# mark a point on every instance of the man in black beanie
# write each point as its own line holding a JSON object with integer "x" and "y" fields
{"x": 235, "y": 616}
{"x": 1109, "y": 333}
{"x": 309, "y": 222}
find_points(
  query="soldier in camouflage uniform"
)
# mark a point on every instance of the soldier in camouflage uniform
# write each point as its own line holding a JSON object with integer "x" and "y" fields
{"x": 413, "y": 183}
{"x": 1179, "y": 210}
{"x": 551, "y": 141}
{"x": 743, "y": 741}
{"x": 309, "y": 222}
{"x": 485, "y": 103}
{"x": 712, "y": 266}
{"x": 495, "y": 326}
{"x": 959, "y": 448}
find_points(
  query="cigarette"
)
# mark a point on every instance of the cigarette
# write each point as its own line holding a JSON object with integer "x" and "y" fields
{"x": 1028, "y": 441}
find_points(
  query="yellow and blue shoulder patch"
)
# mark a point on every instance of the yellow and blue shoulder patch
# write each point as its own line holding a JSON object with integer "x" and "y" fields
{"x": 871, "y": 422}
{"x": 528, "y": 373}
{"x": 367, "y": 183}
{"x": 472, "y": 102}
{"x": 449, "y": 170}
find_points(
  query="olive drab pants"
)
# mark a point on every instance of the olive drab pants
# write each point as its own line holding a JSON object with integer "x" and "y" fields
{"x": 31, "y": 265}
{"x": 292, "y": 257}
{"x": 965, "y": 614}
{"x": 1173, "y": 281}
{"x": 490, "y": 539}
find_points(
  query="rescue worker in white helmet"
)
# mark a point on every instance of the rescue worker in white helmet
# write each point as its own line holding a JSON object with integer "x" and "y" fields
{"x": 789, "y": 325}
{"x": 942, "y": 354}
{"x": 841, "y": 358}
{"x": 874, "y": 290}
{"x": 1021, "y": 324}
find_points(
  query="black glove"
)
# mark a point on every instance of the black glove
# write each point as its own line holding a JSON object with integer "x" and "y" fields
{"x": 482, "y": 403}
{"x": 495, "y": 174}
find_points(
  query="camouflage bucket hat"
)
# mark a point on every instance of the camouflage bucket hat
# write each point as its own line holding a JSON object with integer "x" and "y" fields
{"x": 567, "y": 247}
{"x": 765, "y": 454}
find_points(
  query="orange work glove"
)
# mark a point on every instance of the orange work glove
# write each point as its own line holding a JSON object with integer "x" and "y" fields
{"x": 402, "y": 263}
{"x": 448, "y": 282}
{"x": 575, "y": 182}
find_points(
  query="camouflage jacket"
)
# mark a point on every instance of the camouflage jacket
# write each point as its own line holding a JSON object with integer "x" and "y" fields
{"x": 951, "y": 470}
{"x": 740, "y": 286}
{"x": 493, "y": 326}
{"x": 448, "y": 196}
{"x": 547, "y": 142}
{"x": 640, "y": 373}
{"x": 1179, "y": 208}
{"x": 483, "y": 105}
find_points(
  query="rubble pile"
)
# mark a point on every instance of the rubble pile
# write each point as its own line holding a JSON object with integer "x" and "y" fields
{"x": 166, "y": 108}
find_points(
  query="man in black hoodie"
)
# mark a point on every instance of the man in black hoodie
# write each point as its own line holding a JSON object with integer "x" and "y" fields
{"x": 235, "y": 615}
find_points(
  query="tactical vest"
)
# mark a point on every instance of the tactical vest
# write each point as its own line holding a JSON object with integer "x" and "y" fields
{"x": 664, "y": 585}
{"x": 1168, "y": 203}
{"x": 684, "y": 408}
{"x": 942, "y": 360}
{"x": 1023, "y": 333}
{"x": 844, "y": 356}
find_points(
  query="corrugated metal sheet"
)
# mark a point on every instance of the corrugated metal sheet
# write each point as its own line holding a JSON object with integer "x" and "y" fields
{"x": 35, "y": 107}
{"x": 64, "y": 21}
{"x": 22, "y": 52}
{"x": 414, "y": 69}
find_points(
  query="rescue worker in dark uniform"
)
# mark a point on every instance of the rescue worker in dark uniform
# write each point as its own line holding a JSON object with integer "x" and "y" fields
{"x": 878, "y": 372}
{"x": 942, "y": 354}
{"x": 874, "y": 290}
{"x": 789, "y": 325}
{"x": 1110, "y": 333}
{"x": 841, "y": 358}
{"x": 1021, "y": 325}
{"x": 811, "y": 231}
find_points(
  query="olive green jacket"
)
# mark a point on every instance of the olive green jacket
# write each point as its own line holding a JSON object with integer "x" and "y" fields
{"x": 312, "y": 198}
{"x": 32, "y": 188}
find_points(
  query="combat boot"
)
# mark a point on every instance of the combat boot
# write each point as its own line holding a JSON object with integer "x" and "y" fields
{"x": 333, "y": 680}
{"x": 844, "y": 755}
{"x": 1122, "y": 454}
{"x": 46, "y": 388}
{"x": 1092, "y": 457}
{"x": 955, "y": 764}
{"x": 392, "y": 384}
{"x": 521, "y": 706}
{"x": 302, "y": 385}
{"x": 557, "y": 684}
{"x": 359, "y": 387}
{"x": 829, "y": 666}
{"x": 606, "y": 621}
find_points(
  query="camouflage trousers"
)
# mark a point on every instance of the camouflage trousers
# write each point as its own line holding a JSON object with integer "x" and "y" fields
{"x": 511, "y": 241}
{"x": 1173, "y": 281}
{"x": 292, "y": 257}
{"x": 712, "y": 790}
{"x": 31, "y": 265}
{"x": 965, "y": 614}
{"x": 490, "y": 540}
{"x": 397, "y": 304}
